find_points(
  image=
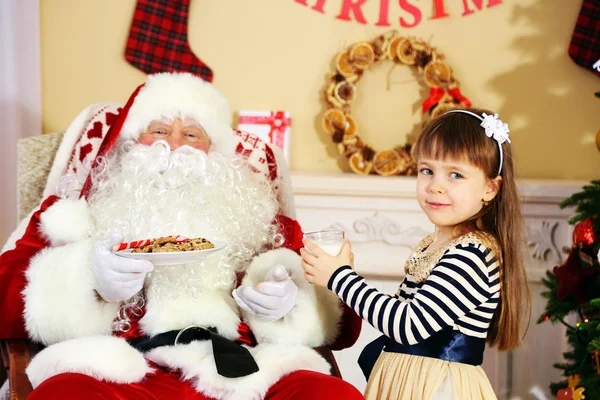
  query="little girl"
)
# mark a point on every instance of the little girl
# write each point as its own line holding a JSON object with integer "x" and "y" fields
{"x": 465, "y": 284}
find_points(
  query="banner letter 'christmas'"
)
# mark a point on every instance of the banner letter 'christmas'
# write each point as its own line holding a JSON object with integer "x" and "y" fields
{"x": 411, "y": 11}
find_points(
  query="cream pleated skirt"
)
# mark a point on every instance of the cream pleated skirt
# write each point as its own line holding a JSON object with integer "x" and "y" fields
{"x": 398, "y": 376}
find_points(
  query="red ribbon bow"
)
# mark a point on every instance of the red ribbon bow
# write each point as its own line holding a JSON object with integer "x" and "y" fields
{"x": 278, "y": 122}
{"x": 436, "y": 94}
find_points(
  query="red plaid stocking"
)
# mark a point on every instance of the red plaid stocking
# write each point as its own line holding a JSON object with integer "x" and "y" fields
{"x": 584, "y": 48}
{"x": 158, "y": 40}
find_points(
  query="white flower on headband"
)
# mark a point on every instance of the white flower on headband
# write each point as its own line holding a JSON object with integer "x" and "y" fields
{"x": 495, "y": 128}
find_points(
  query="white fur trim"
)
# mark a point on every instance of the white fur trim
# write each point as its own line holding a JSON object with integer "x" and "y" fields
{"x": 60, "y": 301}
{"x": 210, "y": 308}
{"x": 182, "y": 95}
{"x": 105, "y": 358}
{"x": 66, "y": 221}
{"x": 196, "y": 363}
{"x": 4, "y": 391}
{"x": 69, "y": 140}
{"x": 18, "y": 233}
{"x": 314, "y": 320}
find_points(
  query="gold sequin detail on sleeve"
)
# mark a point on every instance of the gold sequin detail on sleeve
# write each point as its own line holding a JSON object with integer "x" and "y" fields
{"x": 421, "y": 262}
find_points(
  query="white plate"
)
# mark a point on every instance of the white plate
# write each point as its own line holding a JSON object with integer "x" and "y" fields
{"x": 174, "y": 258}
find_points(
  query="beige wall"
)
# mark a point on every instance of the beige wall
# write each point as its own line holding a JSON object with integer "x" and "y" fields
{"x": 274, "y": 54}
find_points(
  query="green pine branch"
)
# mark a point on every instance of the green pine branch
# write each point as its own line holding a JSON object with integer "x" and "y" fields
{"x": 586, "y": 202}
{"x": 578, "y": 359}
{"x": 557, "y": 310}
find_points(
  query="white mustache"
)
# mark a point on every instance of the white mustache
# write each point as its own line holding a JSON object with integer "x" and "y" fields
{"x": 165, "y": 159}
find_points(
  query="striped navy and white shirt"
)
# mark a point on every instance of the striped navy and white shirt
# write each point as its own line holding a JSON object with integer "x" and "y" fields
{"x": 462, "y": 291}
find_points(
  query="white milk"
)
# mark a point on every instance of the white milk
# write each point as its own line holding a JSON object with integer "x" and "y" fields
{"x": 332, "y": 248}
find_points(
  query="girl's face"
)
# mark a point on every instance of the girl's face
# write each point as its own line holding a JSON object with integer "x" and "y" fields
{"x": 452, "y": 191}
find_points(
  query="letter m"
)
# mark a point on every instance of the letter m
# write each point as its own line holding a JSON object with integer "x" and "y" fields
{"x": 479, "y": 5}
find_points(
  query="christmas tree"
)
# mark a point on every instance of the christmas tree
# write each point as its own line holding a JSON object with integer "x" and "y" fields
{"x": 574, "y": 288}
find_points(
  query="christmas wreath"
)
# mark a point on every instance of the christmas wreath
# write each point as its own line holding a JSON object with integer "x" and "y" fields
{"x": 432, "y": 70}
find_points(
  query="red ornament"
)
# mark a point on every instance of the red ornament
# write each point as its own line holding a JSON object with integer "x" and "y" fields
{"x": 572, "y": 392}
{"x": 565, "y": 394}
{"x": 583, "y": 234}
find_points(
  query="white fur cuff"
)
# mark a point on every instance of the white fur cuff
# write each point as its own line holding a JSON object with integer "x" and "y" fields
{"x": 314, "y": 320}
{"x": 66, "y": 221}
{"x": 105, "y": 358}
{"x": 60, "y": 301}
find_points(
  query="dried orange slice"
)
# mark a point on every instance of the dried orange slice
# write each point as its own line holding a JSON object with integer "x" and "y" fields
{"x": 386, "y": 162}
{"x": 437, "y": 74}
{"x": 359, "y": 165}
{"x": 350, "y": 127}
{"x": 406, "y": 166}
{"x": 334, "y": 120}
{"x": 331, "y": 98}
{"x": 345, "y": 92}
{"x": 361, "y": 55}
{"x": 405, "y": 52}
{"x": 393, "y": 47}
{"x": 343, "y": 65}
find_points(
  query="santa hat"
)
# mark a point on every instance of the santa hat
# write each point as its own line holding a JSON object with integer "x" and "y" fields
{"x": 172, "y": 95}
{"x": 181, "y": 95}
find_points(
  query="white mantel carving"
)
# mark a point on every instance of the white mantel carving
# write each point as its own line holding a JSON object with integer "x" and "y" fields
{"x": 383, "y": 229}
{"x": 542, "y": 241}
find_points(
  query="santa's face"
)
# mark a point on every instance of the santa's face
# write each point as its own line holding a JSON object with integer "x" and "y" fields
{"x": 176, "y": 132}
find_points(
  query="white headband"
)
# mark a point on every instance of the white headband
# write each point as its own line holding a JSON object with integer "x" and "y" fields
{"x": 494, "y": 128}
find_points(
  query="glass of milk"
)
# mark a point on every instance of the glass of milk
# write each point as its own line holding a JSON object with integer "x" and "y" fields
{"x": 331, "y": 241}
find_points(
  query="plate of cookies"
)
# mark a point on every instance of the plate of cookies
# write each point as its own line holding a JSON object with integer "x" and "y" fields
{"x": 169, "y": 250}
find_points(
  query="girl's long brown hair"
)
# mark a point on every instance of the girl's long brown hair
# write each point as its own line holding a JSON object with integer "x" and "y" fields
{"x": 459, "y": 136}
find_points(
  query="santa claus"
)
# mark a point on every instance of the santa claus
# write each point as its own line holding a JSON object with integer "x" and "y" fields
{"x": 239, "y": 323}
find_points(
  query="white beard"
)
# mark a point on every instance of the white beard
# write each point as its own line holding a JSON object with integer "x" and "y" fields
{"x": 150, "y": 191}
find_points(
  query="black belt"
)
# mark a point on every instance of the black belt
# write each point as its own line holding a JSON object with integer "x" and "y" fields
{"x": 232, "y": 359}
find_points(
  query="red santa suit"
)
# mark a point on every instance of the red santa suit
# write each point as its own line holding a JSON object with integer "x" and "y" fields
{"x": 47, "y": 288}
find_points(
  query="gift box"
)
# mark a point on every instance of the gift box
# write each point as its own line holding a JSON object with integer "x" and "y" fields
{"x": 273, "y": 127}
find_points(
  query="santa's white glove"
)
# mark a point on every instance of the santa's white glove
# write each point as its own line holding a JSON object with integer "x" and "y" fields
{"x": 269, "y": 300}
{"x": 117, "y": 278}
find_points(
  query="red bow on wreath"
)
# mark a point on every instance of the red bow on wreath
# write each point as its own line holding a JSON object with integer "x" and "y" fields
{"x": 436, "y": 94}
{"x": 278, "y": 122}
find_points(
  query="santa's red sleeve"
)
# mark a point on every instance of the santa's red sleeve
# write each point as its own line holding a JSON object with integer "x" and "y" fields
{"x": 46, "y": 281}
{"x": 13, "y": 265}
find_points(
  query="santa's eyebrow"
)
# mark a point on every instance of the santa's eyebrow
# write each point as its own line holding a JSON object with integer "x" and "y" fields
{"x": 193, "y": 124}
{"x": 162, "y": 121}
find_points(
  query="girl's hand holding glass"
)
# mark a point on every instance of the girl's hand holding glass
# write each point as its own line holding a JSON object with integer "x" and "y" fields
{"x": 319, "y": 266}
